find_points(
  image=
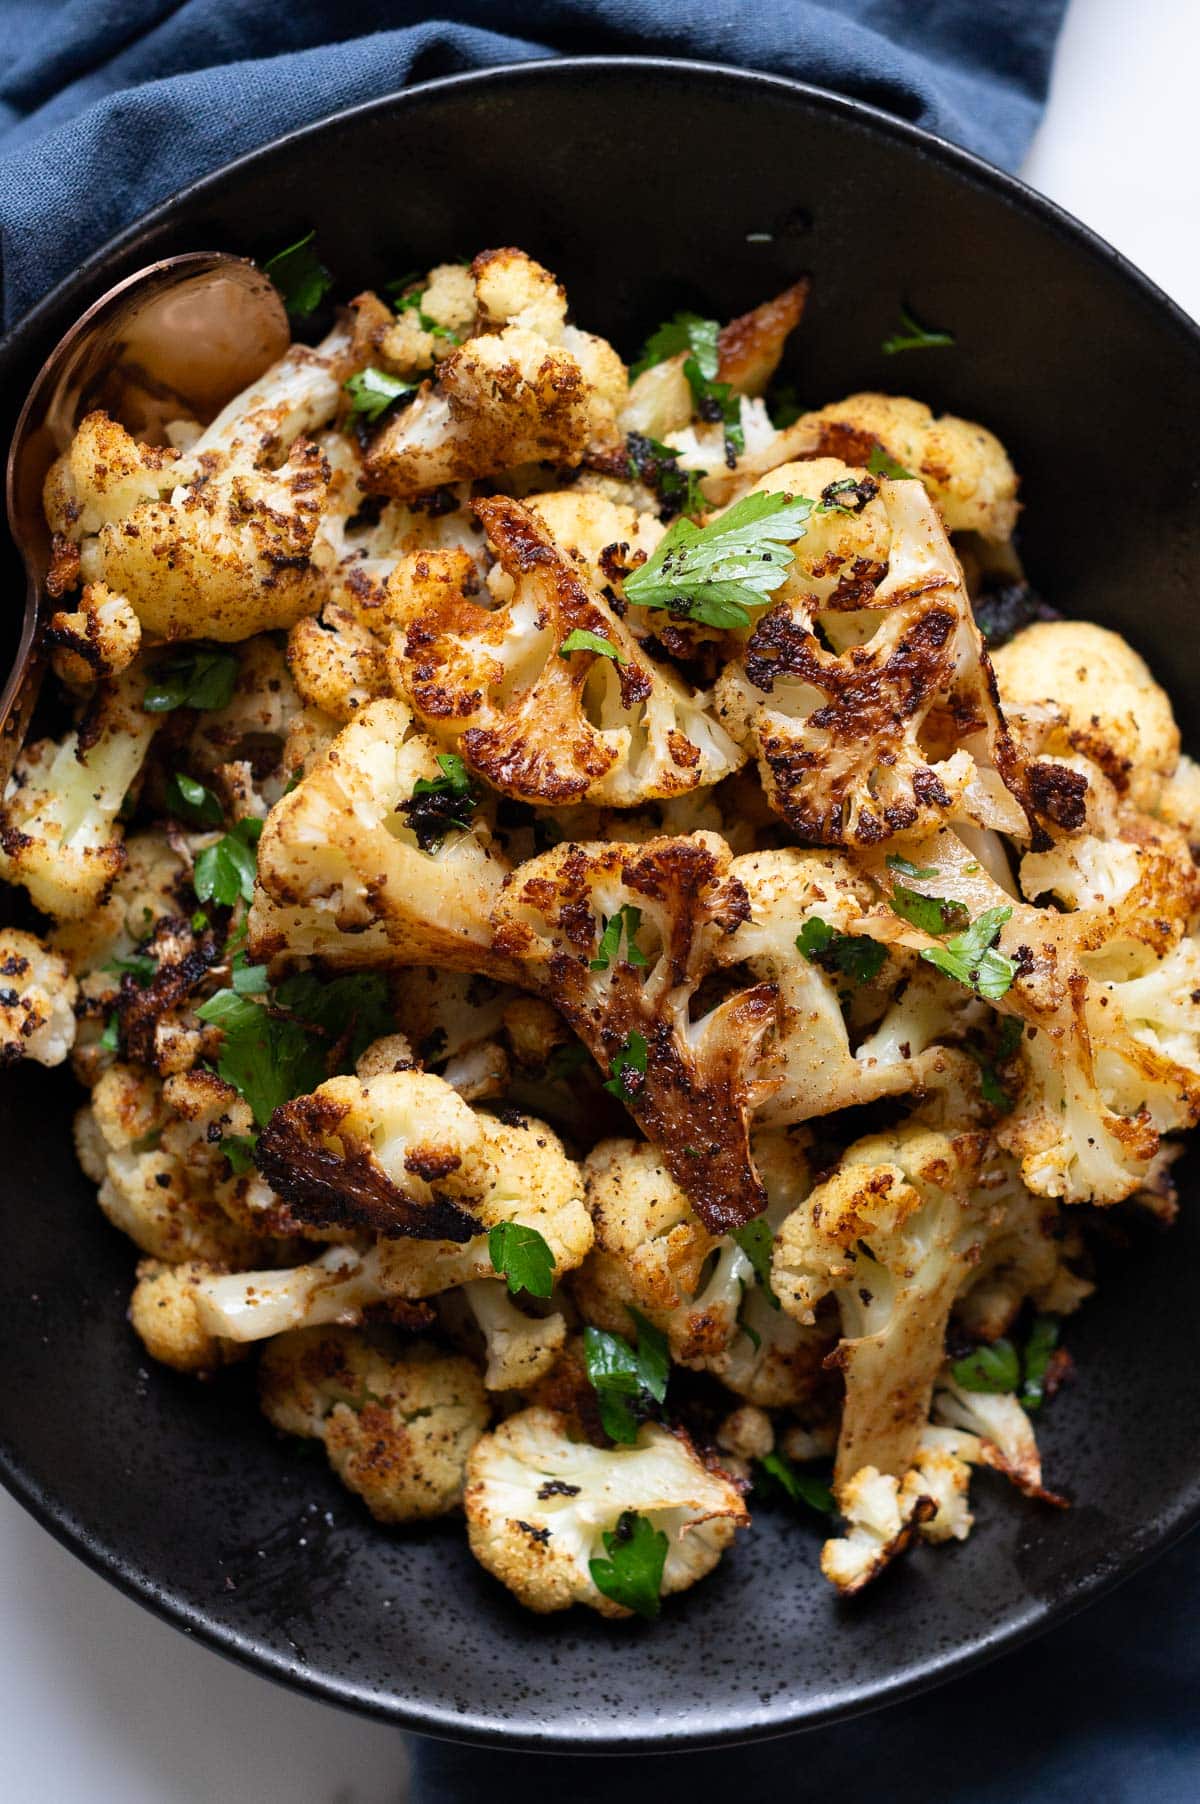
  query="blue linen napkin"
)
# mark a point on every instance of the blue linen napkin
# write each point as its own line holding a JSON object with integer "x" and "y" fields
{"x": 107, "y": 106}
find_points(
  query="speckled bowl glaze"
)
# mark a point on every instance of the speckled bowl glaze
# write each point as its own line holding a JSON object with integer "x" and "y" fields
{"x": 180, "y": 1493}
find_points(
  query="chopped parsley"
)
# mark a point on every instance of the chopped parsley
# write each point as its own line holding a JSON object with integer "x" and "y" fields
{"x": 1043, "y": 1339}
{"x": 110, "y": 1039}
{"x": 286, "y": 1048}
{"x": 931, "y": 914}
{"x": 300, "y": 276}
{"x": 993, "y": 1367}
{"x": 714, "y": 574}
{"x": 903, "y": 867}
{"x": 757, "y": 1240}
{"x": 200, "y": 677}
{"x": 801, "y": 1487}
{"x": 411, "y": 303}
{"x": 626, "y": 1379}
{"x": 971, "y": 957}
{"x": 142, "y": 967}
{"x": 911, "y": 335}
{"x": 580, "y": 639}
{"x": 628, "y": 1068}
{"x": 521, "y": 1255}
{"x": 990, "y": 1087}
{"x": 657, "y": 465}
{"x": 224, "y": 872}
{"x": 854, "y": 955}
{"x": 881, "y": 464}
{"x": 190, "y": 801}
{"x": 685, "y": 332}
{"x": 632, "y": 1574}
{"x": 248, "y": 980}
{"x": 625, "y": 922}
{"x": 239, "y": 1150}
{"x": 372, "y": 391}
{"x": 439, "y": 803}
{"x": 783, "y": 405}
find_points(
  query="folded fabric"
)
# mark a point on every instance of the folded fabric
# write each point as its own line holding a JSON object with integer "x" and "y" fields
{"x": 107, "y": 106}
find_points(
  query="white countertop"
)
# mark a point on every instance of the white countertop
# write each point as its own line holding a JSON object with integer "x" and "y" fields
{"x": 103, "y": 1704}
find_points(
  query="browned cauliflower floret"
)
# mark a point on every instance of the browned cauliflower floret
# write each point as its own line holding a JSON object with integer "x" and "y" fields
{"x": 542, "y": 1510}
{"x": 336, "y": 664}
{"x": 523, "y": 388}
{"x": 545, "y": 715}
{"x": 653, "y": 1254}
{"x": 214, "y": 542}
{"x": 37, "y": 1000}
{"x": 100, "y": 638}
{"x": 159, "y": 1171}
{"x": 687, "y": 1082}
{"x": 162, "y": 1312}
{"x": 892, "y": 724}
{"x": 1110, "y": 708}
{"x": 515, "y": 1170}
{"x": 59, "y": 833}
{"x": 964, "y": 466}
{"x": 360, "y": 867}
{"x": 397, "y": 1430}
{"x": 892, "y": 1234}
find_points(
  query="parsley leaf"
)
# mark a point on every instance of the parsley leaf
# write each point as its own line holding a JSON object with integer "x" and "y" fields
{"x": 300, "y": 276}
{"x": 248, "y": 980}
{"x": 713, "y": 574}
{"x": 685, "y": 332}
{"x": 990, "y": 1087}
{"x": 110, "y": 1038}
{"x": 190, "y": 801}
{"x": 522, "y": 1256}
{"x": 439, "y": 803}
{"x": 783, "y": 405}
{"x": 346, "y": 1011}
{"x": 905, "y": 868}
{"x": 581, "y": 640}
{"x": 971, "y": 957}
{"x": 855, "y": 955}
{"x": 200, "y": 677}
{"x": 757, "y": 1240}
{"x": 632, "y": 1573}
{"x": 993, "y": 1367}
{"x": 881, "y": 464}
{"x": 1043, "y": 1338}
{"x": 239, "y": 1150}
{"x": 372, "y": 391}
{"x": 624, "y": 1377}
{"x": 801, "y": 1487}
{"x": 628, "y": 1068}
{"x": 626, "y": 921}
{"x": 911, "y": 335}
{"x": 224, "y": 872}
{"x": 141, "y": 966}
{"x": 411, "y": 303}
{"x": 932, "y": 914}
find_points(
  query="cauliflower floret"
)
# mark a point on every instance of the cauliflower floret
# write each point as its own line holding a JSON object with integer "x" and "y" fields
{"x": 654, "y": 1255}
{"x": 538, "y": 1506}
{"x": 160, "y": 1171}
{"x": 1029, "y": 1258}
{"x": 59, "y": 833}
{"x": 600, "y": 535}
{"x": 351, "y": 872}
{"x": 527, "y": 1178}
{"x": 162, "y": 1312}
{"x": 964, "y": 466}
{"x": 99, "y": 639}
{"x": 892, "y": 1234}
{"x": 747, "y": 1433}
{"x": 991, "y": 1429}
{"x": 687, "y": 1082}
{"x": 214, "y": 542}
{"x": 520, "y": 1348}
{"x": 1111, "y": 709}
{"x": 524, "y": 389}
{"x": 37, "y": 1000}
{"x": 881, "y": 1521}
{"x": 543, "y": 722}
{"x": 254, "y": 726}
{"x": 897, "y": 725}
{"x": 398, "y": 1154}
{"x": 396, "y": 1430}
{"x": 336, "y": 664}
{"x": 1179, "y": 799}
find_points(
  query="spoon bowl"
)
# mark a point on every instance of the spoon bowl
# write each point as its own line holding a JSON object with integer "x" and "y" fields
{"x": 175, "y": 340}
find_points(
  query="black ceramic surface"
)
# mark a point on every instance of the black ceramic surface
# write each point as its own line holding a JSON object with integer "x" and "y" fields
{"x": 180, "y": 1493}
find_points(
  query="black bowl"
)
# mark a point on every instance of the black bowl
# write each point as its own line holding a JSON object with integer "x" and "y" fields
{"x": 649, "y": 185}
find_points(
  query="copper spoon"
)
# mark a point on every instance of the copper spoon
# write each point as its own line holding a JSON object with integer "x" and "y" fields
{"x": 175, "y": 340}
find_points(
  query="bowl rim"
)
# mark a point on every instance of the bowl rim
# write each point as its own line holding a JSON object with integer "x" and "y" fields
{"x": 478, "y": 1727}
